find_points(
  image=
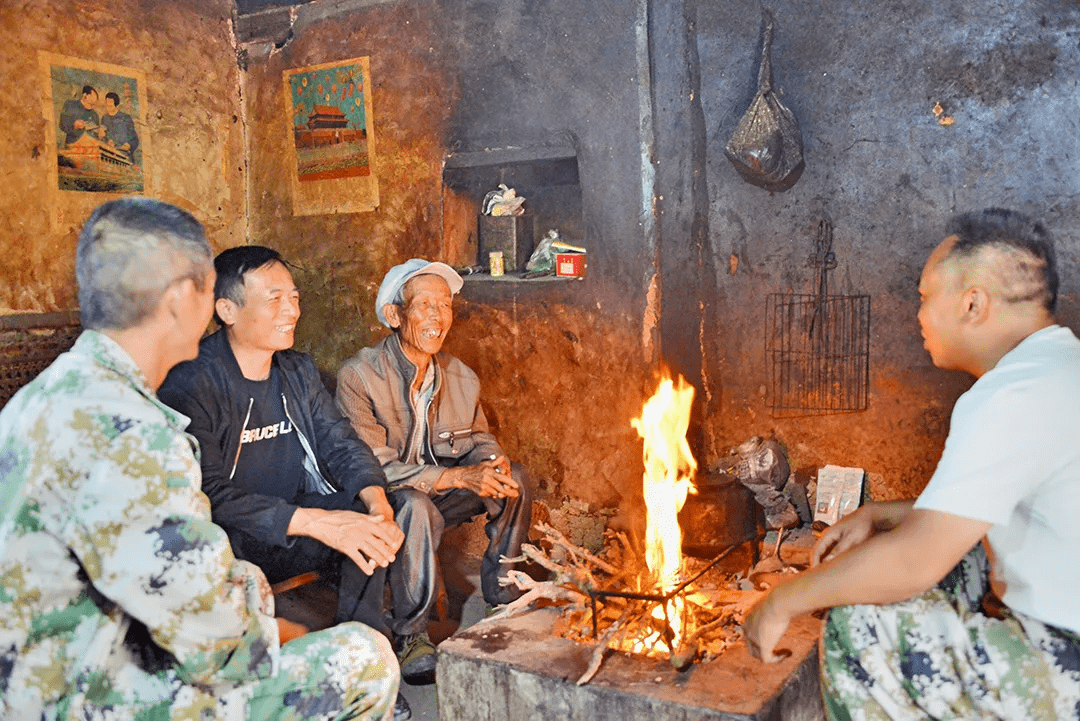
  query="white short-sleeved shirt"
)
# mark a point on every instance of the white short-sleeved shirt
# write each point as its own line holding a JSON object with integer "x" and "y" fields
{"x": 1012, "y": 459}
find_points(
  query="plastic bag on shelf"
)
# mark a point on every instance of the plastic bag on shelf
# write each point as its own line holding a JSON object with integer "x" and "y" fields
{"x": 542, "y": 259}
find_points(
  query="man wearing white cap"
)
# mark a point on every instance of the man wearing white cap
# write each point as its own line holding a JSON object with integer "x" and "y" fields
{"x": 419, "y": 410}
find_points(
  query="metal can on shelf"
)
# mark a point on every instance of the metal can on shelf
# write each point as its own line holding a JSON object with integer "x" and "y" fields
{"x": 495, "y": 263}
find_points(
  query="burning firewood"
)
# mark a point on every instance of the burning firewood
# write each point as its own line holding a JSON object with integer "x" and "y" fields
{"x": 657, "y": 603}
{"x": 691, "y": 646}
{"x": 627, "y": 619}
{"x": 603, "y": 644}
{"x": 576, "y": 552}
{"x": 535, "y": 591}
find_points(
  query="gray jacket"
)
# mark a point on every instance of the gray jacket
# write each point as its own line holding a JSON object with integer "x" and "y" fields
{"x": 373, "y": 392}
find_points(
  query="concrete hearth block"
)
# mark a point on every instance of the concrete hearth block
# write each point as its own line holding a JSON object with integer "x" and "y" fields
{"x": 517, "y": 668}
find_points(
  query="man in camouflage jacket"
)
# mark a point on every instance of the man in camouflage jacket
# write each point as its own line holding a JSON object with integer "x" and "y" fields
{"x": 961, "y": 604}
{"x": 120, "y": 598}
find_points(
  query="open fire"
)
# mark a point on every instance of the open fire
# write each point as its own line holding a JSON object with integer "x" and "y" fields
{"x": 668, "y": 478}
{"x": 672, "y": 620}
{"x": 661, "y": 605}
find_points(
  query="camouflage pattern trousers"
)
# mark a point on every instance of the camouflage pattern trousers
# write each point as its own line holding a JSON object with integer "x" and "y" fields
{"x": 345, "y": 672}
{"x": 940, "y": 656}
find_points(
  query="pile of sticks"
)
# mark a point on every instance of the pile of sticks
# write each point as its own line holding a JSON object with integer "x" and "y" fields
{"x": 610, "y": 601}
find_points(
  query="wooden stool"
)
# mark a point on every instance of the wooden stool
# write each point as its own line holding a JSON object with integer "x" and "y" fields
{"x": 295, "y": 582}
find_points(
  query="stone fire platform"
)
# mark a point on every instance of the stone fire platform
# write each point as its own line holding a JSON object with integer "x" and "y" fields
{"x": 516, "y": 668}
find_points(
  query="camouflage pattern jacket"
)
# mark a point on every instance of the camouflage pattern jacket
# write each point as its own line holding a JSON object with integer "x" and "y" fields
{"x": 115, "y": 587}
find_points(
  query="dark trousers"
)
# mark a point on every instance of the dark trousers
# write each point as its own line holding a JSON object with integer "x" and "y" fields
{"x": 415, "y": 570}
{"x": 413, "y": 576}
{"x": 360, "y": 597}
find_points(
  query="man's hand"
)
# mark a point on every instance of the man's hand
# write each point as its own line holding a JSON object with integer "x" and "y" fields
{"x": 374, "y": 497}
{"x": 847, "y": 533}
{"x": 370, "y": 540}
{"x": 765, "y": 625}
{"x": 287, "y": 630}
{"x": 852, "y": 530}
{"x": 490, "y": 478}
{"x": 902, "y": 552}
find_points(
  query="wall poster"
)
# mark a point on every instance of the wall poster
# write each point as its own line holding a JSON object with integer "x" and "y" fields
{"x": 97, "y": 125}
{"x": 97, "y": 144}
{"x": 331, "y": 152}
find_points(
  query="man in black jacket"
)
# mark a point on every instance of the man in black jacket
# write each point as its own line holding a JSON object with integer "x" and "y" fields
{"x": 288, "y": 479}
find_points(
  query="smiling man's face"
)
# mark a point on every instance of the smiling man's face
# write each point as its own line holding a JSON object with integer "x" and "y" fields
{"x": 267, "y": 319}
{"x": 425, "y": 317}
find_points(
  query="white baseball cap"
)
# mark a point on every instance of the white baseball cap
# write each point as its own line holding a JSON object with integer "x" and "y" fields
{"x": 395, "y": 279}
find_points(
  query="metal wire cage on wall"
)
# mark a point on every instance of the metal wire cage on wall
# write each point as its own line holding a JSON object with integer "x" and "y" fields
{"x": 818, "y": 353}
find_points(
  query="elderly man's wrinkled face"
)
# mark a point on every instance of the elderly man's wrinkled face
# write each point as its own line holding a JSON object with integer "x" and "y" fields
{"x": 425, "y": 319}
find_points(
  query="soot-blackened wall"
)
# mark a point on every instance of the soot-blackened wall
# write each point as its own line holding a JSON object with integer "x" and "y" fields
{"x": 683, "y": 254}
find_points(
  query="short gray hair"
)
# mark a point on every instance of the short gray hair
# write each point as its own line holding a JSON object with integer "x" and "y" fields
{"x": 130, "y": 251}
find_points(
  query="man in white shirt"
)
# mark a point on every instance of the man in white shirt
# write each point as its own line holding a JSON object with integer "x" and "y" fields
{"x": 963, "y": 603}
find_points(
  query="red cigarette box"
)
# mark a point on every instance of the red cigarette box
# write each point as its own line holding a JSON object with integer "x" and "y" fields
{"x": 570, "y": 265}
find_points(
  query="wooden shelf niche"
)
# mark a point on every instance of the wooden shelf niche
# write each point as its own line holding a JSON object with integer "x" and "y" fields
{"x": 547, "y": 177}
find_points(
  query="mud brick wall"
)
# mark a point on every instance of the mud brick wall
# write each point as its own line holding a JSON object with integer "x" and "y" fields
{"x": 197, "y": 160}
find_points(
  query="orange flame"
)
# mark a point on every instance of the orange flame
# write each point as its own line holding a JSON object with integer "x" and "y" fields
{"x": 669, "y": 473}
